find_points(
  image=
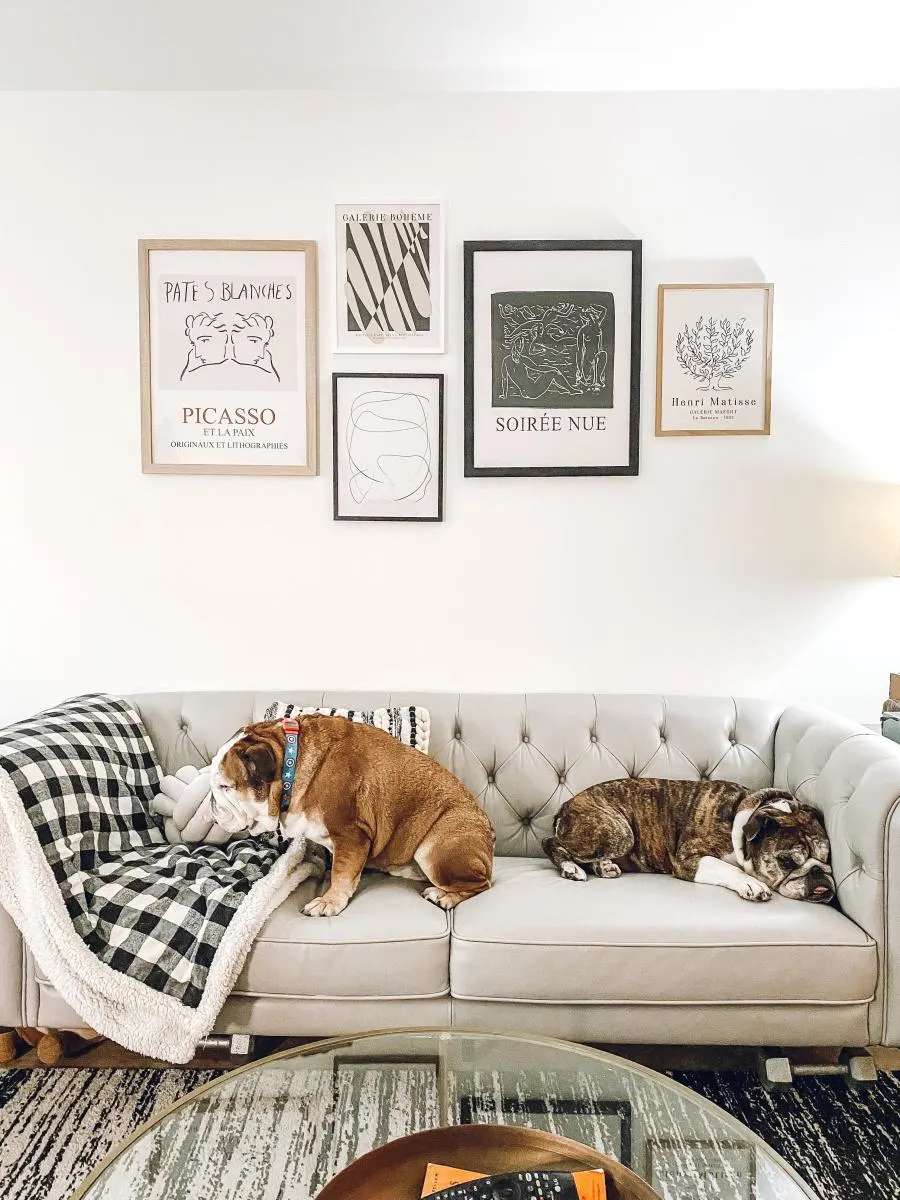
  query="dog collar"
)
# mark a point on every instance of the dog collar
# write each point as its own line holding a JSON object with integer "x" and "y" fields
{"x": 289, "y": 765}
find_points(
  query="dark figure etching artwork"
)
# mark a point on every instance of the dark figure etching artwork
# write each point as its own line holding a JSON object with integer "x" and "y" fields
{"x": 552, "y": 349}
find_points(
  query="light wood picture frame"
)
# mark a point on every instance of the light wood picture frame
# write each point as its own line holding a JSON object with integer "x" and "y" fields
{"x": 228, "y": 344}
{"x": 714, "y": 359}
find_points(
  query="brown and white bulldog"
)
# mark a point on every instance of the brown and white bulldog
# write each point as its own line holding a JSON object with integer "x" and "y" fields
{"x": 367, "y": 798}
{"x": 754, "y": 843}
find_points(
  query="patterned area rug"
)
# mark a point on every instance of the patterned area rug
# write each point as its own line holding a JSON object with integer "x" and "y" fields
{"x": 56, "y": 1125}
{"x": 842, "y": 1143}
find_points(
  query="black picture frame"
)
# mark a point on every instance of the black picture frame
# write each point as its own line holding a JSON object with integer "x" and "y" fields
{"x": 470, "y": 250}
{"x": 554, "y": 1106}
{"x": 336, "y": 377}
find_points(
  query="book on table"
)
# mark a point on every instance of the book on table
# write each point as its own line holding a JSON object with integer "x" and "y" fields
{"x": 451, "y": 1183}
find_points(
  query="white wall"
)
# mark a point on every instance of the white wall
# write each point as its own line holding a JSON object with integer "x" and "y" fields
{"x": 737, "y": 565}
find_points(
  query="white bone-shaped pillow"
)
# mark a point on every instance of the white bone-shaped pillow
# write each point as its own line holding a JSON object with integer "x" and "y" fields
{"x": 183, "y": 802}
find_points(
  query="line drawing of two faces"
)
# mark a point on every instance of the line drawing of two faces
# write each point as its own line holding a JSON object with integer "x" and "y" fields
{"x": 217, "y": 339}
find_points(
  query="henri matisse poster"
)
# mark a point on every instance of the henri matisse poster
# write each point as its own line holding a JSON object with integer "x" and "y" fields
{"x": 714, "y": 358}
{"x": 390, "y": 278}
{"x": 228, "y": 357}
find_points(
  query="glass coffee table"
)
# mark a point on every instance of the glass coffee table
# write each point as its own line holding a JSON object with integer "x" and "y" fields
{"x": 280, "y": 1128}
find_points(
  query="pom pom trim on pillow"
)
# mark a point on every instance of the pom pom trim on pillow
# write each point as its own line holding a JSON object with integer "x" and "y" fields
{"x": 410, "y": 725}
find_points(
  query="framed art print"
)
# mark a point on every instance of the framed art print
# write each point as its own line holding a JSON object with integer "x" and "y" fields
{"x": 552, "y": 357}
{"x": 228, "y": 357}
{"x": 389, "y": 260}
{"x": 702, "y": 1168}
{"x": 714, "y": 358}
{"x": 605, "y": 1124}
{"x": 388, "y": 447}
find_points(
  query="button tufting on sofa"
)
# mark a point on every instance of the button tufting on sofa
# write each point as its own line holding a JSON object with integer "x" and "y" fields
{"x": 632, "y": 960}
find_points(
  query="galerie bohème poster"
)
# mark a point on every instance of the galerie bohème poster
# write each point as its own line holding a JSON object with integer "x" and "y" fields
{"x": 390, "y": 278}
{"x": 228, "y": 357}
{"x": 714, "y": 358}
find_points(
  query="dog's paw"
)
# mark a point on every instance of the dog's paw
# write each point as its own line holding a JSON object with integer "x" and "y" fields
{"x": 440, "y": 897}
{"x": 325, "y": 906}
{"x": 571, "y": 870}
{"x": 752, "y": 889}
{"x": 607, "y": 869}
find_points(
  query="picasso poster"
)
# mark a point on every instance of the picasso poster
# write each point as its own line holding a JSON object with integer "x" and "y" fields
{"x": 228, "y": 357}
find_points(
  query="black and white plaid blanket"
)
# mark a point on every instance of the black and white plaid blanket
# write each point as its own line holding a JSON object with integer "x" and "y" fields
{"x": 142, "y": 938}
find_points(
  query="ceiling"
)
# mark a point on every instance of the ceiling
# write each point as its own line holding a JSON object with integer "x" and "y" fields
{"x": 570, "y": 45}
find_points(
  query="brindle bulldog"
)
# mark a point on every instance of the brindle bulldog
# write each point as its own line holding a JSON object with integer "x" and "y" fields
{"x": 754, "y": 843}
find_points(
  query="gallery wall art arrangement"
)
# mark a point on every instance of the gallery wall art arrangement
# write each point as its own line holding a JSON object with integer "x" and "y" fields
{"x": 551, "y": 355}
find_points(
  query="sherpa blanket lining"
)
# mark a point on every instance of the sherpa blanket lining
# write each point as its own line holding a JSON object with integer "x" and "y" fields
{"x": 143, "y": 939}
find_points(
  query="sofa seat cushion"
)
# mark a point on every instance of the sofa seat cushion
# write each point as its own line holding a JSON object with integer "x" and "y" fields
{"x": 648, "y": 939}
{"x": 388, "y": 943}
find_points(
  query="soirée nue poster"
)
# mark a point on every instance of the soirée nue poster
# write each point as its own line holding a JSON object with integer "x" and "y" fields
{"x": 552, "y": 357}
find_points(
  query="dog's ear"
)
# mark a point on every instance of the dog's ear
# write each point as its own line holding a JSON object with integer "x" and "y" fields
{"x": 770, "y": 807}
{"x": 259, "y": 762}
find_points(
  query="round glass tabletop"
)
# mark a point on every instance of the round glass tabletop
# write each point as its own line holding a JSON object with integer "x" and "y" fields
{"x": 283, "y": 1126}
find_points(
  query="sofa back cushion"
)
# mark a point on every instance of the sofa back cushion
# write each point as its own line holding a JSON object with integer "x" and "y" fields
{"x": 520, "y": 755}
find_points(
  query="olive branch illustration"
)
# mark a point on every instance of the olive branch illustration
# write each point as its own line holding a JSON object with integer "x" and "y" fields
{"x": 713, "y": 352}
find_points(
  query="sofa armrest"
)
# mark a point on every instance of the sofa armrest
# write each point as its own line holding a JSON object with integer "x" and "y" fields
{"x": 852, "y": 776}
{"x": 10, "y": 972}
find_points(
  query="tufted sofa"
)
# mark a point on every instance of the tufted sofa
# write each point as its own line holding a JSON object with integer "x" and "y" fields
{"x": 640, "y": 959}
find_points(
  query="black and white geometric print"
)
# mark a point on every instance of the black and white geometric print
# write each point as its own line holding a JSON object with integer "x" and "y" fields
{"x": 388, "y": 277}
{"x": 86, "y": 773}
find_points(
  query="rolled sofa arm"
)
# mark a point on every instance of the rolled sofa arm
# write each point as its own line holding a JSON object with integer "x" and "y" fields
{"x": 852, "y": 776}
{"x": 10, "y": 972}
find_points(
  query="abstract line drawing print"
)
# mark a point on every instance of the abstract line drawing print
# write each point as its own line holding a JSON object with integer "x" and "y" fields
{"x": 714, "y": 351}
{"x": 388, "y": 448}
{"x": 552, "y": 349}
{"x": 388, "y": 278}
{"x": 231, "y": 345}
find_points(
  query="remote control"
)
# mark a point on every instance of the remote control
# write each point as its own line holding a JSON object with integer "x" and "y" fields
{"x": 524, "y": 1185}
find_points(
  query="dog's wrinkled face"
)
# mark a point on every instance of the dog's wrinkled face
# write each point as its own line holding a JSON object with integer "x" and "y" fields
{"x": 246, "y": 779}
{"x": 787, "y": 845}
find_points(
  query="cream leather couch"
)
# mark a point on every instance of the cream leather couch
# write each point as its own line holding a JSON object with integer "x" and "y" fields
{"x": 642, "y": 959}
